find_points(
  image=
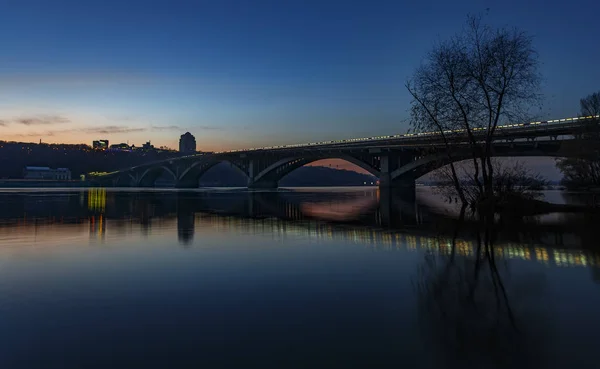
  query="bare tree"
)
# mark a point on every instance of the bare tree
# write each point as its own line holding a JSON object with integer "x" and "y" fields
{"x": 581, "y": 167}
{"x": 468, "y": 86}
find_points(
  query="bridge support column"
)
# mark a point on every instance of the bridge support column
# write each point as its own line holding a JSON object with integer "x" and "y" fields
{"x": 186, "y": 184}
{"x": 388, "y": 164}
{"x": 402, "y": 183}
{"x": 264, "y": 183}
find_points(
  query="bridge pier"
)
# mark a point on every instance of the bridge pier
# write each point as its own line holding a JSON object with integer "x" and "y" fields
{"x": 254, "y": 168}
{"x": 401, "y": 183}
{"x": 389, "y": 163}
{"x": 263, "y": 184}
{"x": 186, "y": 184}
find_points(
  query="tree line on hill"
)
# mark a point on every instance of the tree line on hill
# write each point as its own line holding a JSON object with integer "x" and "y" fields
{"x": 222, "y": 175}
{"x": 80, "y": 159}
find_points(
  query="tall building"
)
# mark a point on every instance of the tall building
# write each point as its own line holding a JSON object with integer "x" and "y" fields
{"x": 187, "y": 143}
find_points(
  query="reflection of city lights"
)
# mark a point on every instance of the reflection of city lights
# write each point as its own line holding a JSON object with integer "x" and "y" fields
{"x": 411, "y": 242}
{"x": 559, "y": 258}
{"x": 281, "y": 230}
{"x": 541, "y": 255}
{"x": 97, "y": 199}
{"x": 396, "y": 240}
{"x": 464, "y": 248}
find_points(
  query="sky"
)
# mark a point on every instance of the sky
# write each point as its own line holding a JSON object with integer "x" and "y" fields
{"x": 250, "y": 73}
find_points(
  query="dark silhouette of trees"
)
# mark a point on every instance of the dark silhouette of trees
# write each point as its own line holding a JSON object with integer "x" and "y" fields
{"x": 581, "y": 169}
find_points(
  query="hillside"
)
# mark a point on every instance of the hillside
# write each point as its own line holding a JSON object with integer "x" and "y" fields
{"x": 223, "y": 175}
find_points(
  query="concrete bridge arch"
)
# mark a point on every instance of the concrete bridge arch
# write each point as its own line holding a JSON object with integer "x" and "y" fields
{"x": 151, "y": 174}
{"x": 271, "y": 174}
{"x": 429, "y": 163}
{"x": 191, "y": 175}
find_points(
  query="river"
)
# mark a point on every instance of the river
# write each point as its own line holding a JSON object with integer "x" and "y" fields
{"x": 295, "y": 278}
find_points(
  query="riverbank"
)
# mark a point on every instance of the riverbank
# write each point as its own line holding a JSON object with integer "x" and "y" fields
{"x": 516, "y": 206}
{"x": 29, "y": 183}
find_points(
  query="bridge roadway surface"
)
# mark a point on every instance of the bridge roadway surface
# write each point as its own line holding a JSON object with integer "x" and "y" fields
{"x": 396, "y": 160}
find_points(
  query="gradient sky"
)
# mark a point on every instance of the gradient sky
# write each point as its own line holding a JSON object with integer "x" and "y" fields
{"x": 250, "y": 73}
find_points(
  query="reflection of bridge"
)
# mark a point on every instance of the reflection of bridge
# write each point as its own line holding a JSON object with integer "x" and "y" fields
{"x": 396, "y": 160}
{"x": 278, "y": 215}
{"x": 377, "y": 218}
{"x": 386, "y": 240}
{"x": 371, "y": 208}
{"x": 381, "y": 208}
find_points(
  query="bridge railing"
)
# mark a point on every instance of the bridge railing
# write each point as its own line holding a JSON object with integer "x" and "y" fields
{"x": 537, "y": 126}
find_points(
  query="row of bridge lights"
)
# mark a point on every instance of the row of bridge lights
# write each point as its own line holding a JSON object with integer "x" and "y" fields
{"x": 565, "y": 120}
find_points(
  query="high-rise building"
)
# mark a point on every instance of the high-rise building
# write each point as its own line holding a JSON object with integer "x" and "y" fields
{"x": 187, "y": 143}
{"x": 100, "y": 144}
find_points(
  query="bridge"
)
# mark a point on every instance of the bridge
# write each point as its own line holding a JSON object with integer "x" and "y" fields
{"x": 396, "y": 160}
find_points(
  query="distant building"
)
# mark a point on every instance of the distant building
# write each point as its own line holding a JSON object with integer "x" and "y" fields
{"x": 187, "y": 143}
{"x": 120, "y": 147}
{"x": 147, "y": 146}
{"x": 47, "y": 173}
{"x": 100, "y": 145}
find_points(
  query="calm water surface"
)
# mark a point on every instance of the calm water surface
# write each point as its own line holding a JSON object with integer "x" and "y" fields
{"x": 345, "y": 278}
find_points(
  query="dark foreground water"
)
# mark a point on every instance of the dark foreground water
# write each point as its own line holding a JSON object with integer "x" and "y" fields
{"x": 288, "y": 279}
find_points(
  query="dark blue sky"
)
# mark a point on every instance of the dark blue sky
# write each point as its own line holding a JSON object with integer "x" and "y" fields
{"x": 247, "y": 73}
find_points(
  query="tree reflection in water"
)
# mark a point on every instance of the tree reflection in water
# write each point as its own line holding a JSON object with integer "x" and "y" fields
{"x": 474, "y": 314}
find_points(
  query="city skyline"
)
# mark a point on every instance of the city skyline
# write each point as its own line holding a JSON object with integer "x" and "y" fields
{"x": 237, "y": 75}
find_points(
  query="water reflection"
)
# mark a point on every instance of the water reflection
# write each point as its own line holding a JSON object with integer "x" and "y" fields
{"x": 466, "y": 312}
{"x": 479, "y": 316}
{"x": 379, "y": 220}
{"x": 351, "y": 278}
